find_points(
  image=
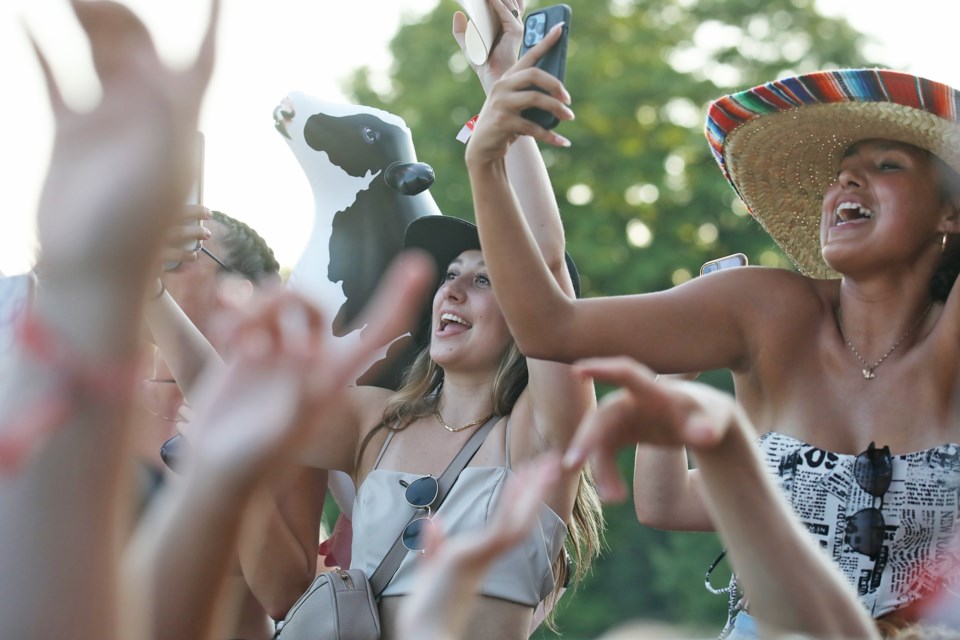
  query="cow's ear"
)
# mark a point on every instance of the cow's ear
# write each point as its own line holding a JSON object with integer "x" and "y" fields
{"x": 409, "y": 178}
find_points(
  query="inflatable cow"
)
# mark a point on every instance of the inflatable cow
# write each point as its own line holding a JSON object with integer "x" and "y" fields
{"x": 367, "y": 187}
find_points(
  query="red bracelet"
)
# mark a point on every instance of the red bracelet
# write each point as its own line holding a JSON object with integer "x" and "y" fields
{"x": 467, "y": 130}
{"x": 75, "y": 382}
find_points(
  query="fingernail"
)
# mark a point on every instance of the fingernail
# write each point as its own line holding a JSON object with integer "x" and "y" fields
{"x": 567, "y": 98}
{"x": 559, "y": 25}
{"x": 561, "y": 141}
{"x": 569, "y": 112}
{"x": 207, "y": 233}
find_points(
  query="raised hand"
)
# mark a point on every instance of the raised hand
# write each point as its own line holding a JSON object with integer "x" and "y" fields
{"x": 119, "y": 172}
{"x": 185, "y": 231}
{"x": 644, "y": 411}
{"x": 500, "y": 122}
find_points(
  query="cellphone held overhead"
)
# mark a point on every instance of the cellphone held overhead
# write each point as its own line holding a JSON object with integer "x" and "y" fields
{"x": 535, "y": 27}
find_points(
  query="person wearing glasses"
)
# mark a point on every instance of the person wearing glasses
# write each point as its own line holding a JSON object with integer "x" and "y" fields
{"x": 848, "y": 369}
{"x": 468, "y": 373}
{"x": 231, "y": 261}
{"x": 225, "y": 247}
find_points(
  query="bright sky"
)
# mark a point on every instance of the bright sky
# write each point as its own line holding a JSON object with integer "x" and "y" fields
{"x": 267, "y": 50}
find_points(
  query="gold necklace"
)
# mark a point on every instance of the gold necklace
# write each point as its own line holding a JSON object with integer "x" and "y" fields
{"x": 870, "y": 371}
{"x": 436, "y": 412}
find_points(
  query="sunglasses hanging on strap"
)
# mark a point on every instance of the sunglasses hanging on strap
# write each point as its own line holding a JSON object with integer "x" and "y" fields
{"x": 341, "y": 604}
{"x": 391, "y": 562}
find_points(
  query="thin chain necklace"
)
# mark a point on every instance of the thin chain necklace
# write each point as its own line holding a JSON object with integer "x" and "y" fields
{"x": 436, "y": 412}
{"x": 870, "y": 371}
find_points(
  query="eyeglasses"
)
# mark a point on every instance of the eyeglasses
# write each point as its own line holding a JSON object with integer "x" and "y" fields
{"x": 170, "y": 266}
{"x": 873, "y": 470}
{"x": 421, "y": 494}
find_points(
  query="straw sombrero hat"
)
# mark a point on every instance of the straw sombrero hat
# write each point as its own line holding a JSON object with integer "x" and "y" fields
{"x": 780, "y": 144}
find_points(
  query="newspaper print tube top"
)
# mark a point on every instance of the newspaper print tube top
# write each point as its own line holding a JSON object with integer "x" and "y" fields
{"x": 920, "y": 511}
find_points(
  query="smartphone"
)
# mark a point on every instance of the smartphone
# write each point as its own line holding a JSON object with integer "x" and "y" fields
{"x": 195, "y": 195}
{"x": 483, "y": 27}
{"x": 535, "y": 27}
{"x": 726, "y": 262}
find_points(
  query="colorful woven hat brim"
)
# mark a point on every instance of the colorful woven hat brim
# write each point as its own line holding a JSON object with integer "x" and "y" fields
{"x": 780, "y": 144}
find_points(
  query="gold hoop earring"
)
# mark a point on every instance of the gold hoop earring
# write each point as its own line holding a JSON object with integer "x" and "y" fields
{"x": 943, "y": 243}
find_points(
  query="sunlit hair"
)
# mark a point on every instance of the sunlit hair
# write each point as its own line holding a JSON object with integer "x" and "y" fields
{"x": 247, "y": 252}
{"x": 946, "y": 274}
{"x": 418, "y": 396}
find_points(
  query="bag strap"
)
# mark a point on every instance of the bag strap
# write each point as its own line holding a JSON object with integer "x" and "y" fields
{"x": 383, "y": 574}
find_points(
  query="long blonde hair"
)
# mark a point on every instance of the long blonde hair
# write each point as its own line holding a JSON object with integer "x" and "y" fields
{"x": 417, "y": 397}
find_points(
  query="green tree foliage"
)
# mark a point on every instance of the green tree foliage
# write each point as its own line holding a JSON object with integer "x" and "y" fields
{"x": 642, "y": 200}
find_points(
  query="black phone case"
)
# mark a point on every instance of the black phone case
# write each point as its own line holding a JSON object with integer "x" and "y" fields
{"x": 553, "y": 62}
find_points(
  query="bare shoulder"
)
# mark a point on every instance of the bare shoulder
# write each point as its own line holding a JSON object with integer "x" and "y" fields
{"x": 362, "y": 411}
{"x": 367, "y": 404}
{"x": 768, "y": 287}
{"x": 770, "y": 305}
{"x": 767, "y": 276}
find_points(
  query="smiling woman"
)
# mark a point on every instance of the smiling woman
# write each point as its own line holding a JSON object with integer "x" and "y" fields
{"x": 849, "y": 370}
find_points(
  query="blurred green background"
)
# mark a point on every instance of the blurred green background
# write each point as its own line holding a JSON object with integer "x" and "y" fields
{"x": 642, "y": 201}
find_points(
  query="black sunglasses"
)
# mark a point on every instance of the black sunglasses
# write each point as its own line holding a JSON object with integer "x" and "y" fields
{"x": 170, "y": 266}
{"x": 873, "y": 470}
{"x": 421, "y": 494}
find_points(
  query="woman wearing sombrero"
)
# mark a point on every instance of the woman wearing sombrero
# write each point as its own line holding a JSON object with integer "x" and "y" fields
{"x": 848, "y": 369}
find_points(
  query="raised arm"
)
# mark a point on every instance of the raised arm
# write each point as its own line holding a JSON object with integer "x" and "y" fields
{"x": 524, "y": 163}
{"x": 761, "y": 533}
{"x": 115, "y": 175}
{"x": 694, "y": 327}
{"x": 556, "y": 396}
{"x": 185, "y": 349}
{"x": 250, "y": 418}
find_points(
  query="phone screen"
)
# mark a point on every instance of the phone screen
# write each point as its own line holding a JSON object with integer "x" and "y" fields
{"x": 726, "y": 262}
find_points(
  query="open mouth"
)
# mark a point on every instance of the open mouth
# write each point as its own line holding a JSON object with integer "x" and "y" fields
{"x": 851, "y": 212}
{"x": 446, "y": 319}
